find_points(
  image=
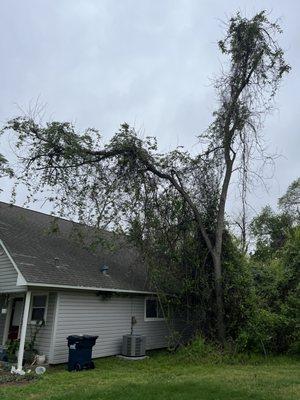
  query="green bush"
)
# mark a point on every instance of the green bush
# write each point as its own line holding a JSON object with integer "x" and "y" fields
{"x": 201, "y": 351}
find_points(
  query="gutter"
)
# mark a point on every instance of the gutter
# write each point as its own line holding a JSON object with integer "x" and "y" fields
{"x": 91, "y": 288}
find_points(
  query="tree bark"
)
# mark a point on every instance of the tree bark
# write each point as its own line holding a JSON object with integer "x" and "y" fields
{"x": 220, "y": 323}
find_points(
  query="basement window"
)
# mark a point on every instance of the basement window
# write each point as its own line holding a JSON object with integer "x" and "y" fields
{"x": 153, "y": 311}
{"x": 39, "y": 308}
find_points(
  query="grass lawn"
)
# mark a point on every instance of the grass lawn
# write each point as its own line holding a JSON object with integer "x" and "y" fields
{"x": 165, "y": 376}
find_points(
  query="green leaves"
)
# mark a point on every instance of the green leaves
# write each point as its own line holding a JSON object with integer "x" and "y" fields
{"x": 276, "y": 273}
{"x": 290, "y": 201}
{"x": 270, "y": 231}
{"x": 5, "y": 170}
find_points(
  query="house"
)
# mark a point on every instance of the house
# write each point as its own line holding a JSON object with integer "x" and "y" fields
{"x": 49, "y": 272}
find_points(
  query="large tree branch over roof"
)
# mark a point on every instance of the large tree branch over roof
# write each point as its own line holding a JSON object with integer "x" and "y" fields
{"x": 80, "y": 167}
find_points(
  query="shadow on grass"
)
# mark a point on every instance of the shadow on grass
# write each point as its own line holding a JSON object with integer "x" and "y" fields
{"x": 166, "y": 391}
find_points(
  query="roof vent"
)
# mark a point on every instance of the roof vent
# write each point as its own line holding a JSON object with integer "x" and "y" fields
{"x": 104, "y": 269}
{"x": 56, "y": 261}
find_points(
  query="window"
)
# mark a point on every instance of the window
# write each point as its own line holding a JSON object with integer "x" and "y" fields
{"x": 39, "y": 306}
{"x": 153, "y": 311}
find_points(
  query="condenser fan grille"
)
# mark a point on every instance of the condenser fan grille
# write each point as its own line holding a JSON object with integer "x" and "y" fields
{"x": 134, "y": 346}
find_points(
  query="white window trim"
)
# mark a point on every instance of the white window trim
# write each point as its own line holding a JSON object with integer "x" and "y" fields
{"x": 32, "y": 322}
{"x": 145, "y": 310}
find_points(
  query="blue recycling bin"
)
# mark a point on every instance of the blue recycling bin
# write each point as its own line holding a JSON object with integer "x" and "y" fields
{"x": 80, "y": 352}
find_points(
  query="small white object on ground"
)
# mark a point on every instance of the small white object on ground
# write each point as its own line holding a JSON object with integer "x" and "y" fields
{"x": 40, "y": 370}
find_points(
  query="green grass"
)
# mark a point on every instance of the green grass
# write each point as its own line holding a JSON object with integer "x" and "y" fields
{"x": 165, "y": 376}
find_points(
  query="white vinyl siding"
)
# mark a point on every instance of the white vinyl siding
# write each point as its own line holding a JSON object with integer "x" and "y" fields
{"x": 109, "y": 318}
{"x": 8, "y": 275}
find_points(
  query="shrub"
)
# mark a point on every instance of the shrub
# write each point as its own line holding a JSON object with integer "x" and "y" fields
{"x": 199, "y": 349}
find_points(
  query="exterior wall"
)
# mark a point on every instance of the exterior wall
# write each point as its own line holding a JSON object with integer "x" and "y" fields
{"x": 2, "y": 318}
{"x": 110, "y": 319}
{"x": 8, "y": 276}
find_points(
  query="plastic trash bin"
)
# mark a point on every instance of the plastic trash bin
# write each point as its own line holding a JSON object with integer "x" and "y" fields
{"x": 3, "y": 354}
{"x": 80, "y": 352}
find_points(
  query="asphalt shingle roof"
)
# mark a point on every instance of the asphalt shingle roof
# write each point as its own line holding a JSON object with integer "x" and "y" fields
{"x": 29, "y": 237}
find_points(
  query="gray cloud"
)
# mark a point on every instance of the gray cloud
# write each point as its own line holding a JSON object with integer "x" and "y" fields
{"x": 145, "y": 62}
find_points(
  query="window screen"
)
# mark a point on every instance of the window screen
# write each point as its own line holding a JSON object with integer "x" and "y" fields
{"x": 39, "y": 308}
{"x": 153, "y": 309}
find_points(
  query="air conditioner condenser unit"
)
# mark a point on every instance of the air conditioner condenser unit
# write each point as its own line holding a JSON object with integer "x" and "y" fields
{"x": 134, "y": 346}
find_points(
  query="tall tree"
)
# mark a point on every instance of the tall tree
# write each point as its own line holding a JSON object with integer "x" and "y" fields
{"x": 271, "y": 229}
{"x": 275, "y": 266}
{"x": 290, "y": 201}
{"x": 112, "y": 183}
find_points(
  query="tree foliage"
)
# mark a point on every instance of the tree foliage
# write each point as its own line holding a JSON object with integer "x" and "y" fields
{"x": 5, "y": 169}
{"x": 273, "y": 324}
{"x": 270, "y": 230}
{"x": 290, "y": 201}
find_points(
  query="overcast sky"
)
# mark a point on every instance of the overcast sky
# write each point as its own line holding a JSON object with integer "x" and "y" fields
{"x": 149, "y": 63}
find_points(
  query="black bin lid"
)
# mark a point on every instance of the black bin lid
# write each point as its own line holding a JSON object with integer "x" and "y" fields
{"x": 81, "y": 338}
